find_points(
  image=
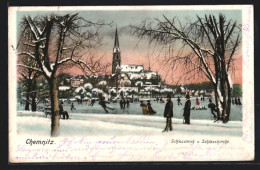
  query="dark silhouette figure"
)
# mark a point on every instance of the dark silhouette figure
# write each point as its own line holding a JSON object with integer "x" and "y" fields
{"x": 168, "y": 114}
{"x": 238, "y": 101}
{"x": 233, "y": 101}
{"x": 186, "y": 113}
{"x": 127, "y": 103}
{"x": 124, "y": 103}
{"x": 103, "y": 104}
{"x": 62, "y": 112}
{"x": 213, "y": 109}
{"x": 151, "y": 111}
{"x": 92, "y": 102}
{"x": 179, "y": 101}
{"x": 72, "y": 106}
{"x": 121, "y": 104}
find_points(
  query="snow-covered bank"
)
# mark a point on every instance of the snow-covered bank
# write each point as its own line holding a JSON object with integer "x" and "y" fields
{"x": 80, "y": 124}
{"x": 126, "y": 137}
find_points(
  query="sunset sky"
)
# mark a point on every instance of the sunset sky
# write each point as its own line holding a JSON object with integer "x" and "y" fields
{"x": 134, "y": 51}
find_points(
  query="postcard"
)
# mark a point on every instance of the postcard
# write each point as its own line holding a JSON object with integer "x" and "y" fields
{"x": 131, "y": 83}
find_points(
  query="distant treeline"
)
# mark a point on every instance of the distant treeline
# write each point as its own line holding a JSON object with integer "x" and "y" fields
{"x": 237, "y": 88}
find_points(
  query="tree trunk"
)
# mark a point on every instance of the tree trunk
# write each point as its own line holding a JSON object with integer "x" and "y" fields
{"x": 55, "y": 118}
{"x": 228, "y": 101}
{"x": 216, "y": 100}
{"x": 34, "y": 105}
{"x": 27, "y": 104}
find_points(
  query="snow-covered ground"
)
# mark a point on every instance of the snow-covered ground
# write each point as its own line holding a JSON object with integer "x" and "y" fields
{"x": 79, "y": 124}
{"x": 93, "y": 135}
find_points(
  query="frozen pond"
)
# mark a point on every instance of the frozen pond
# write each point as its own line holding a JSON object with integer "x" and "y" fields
{"x": 135, "y": 109}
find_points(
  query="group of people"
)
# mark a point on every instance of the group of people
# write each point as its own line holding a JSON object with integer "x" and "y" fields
{"x": 236, "y": 101}
{"x": 147, "y": 108}
{"x": 124, "y": 103}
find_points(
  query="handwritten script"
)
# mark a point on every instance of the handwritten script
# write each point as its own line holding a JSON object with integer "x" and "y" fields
{"x": 135, "y": 148}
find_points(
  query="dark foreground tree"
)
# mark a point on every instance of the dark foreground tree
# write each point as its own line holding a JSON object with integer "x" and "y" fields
{"x": 28, "y": 74}
{"x": 206, "y": 46}
{"x": 59, "y": 41}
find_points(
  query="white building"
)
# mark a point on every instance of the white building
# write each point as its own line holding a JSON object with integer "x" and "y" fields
{"x": 131, "y": 68}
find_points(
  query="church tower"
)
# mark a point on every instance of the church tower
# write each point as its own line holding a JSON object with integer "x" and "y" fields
{"x": 116, "y": 63}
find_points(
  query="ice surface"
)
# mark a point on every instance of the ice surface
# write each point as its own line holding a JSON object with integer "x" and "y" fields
{"x": 92, "y": 120}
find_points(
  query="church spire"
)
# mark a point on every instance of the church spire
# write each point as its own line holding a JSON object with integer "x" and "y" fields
{"x": 116, "y": 63}
{"x": 116, "y": 44}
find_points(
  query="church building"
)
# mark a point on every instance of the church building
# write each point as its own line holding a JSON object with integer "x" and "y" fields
{"x": 129, "y": 74}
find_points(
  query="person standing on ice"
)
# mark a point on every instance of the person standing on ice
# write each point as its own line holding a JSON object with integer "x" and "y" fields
{"x": 168, "y": 114}
{"x": 92, "y": 102}
{"x": 127, "y": 103}
{"x": 103, "y": 104}
{"x": 72, "y": 107}
{"x": 121, "y": 102}
{"x": 144, "y": 108}
{"x": 62, "y": 112}
{"x": 186, "y": 113}
{"x": 197, "y": 101}
{"x": 212, "y": 106}
{"x": 179, "y": 100}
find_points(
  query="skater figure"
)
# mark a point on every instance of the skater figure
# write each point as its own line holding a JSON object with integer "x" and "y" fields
{"x": 197, "y": 101}
{"x": 233, "y": 101}
{"x": 127, "y": 103}
{"x": 203, "y": 98}
{"x": 210, "y": 100}
{"x": 179, "y": 100}
{"x": 144, "y": 108}
{"x": 157, "y": 99}
{"x": 168, "y": 114}
{"x": 72, "y": 107}
{"x": 103, "y": 104}
{"x": 212, "y": 106}
{"x": 92, "y": 102}
{"x": 150, "y": 109}
{"x": 186, "y": 113}
{"x": 121, "y": 102}
{"x": 124, "y": 103}
{"x": 238, "y": 101}
{"x": 62, "y": 112}
{"x": 162, "y": 101}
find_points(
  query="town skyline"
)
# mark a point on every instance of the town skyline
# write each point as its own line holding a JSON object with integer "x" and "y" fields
{"x": 140, "y": 52}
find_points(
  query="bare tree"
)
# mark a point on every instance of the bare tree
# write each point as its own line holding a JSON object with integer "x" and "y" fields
{"x": 204, "y": 47}
{"x": 60, "y": 40}
{"x": 29, "y": 76}
{"x": 29, "y": 79}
